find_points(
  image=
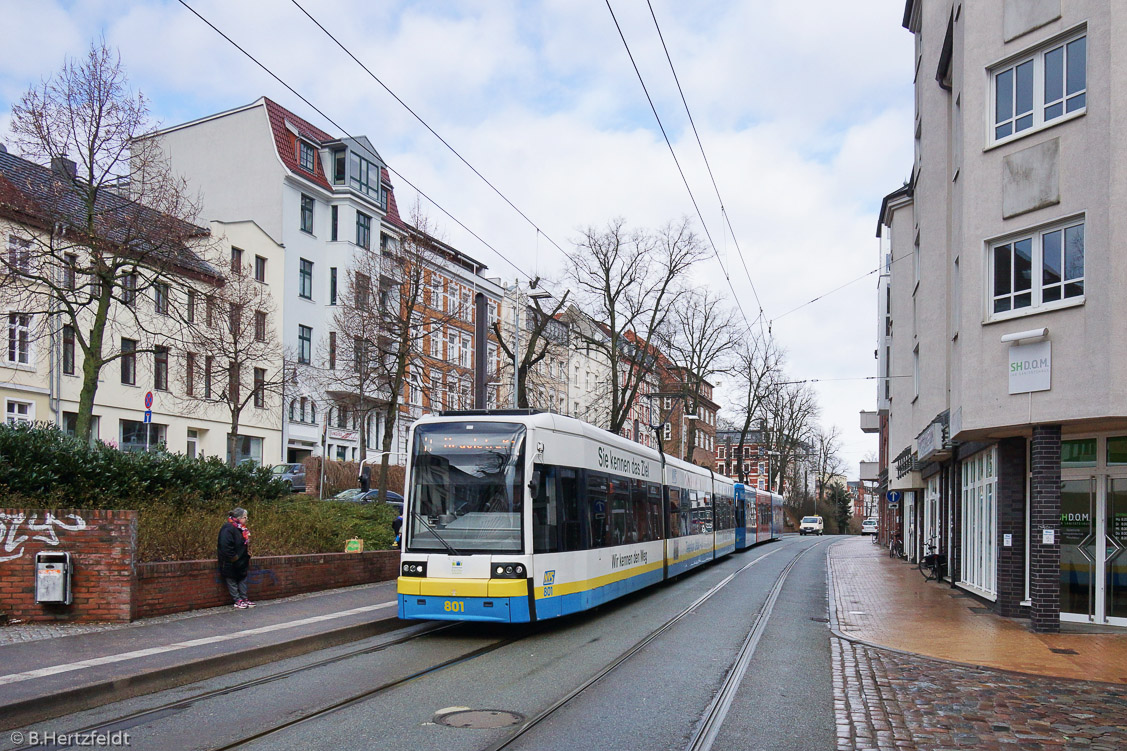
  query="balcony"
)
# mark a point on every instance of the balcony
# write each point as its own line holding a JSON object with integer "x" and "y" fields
{"x": 870, "y": 471}
{"x": 870, "y": 422}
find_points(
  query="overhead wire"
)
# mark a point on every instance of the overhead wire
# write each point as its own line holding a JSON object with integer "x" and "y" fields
{"x": 677, "y": 162}
{"x": 343, "y": 130}
{"x": 426, "y": 125}
{"x": 837, "y": 289}
{"x": 708, "y": 166}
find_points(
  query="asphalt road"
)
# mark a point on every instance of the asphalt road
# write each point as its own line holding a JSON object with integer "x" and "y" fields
{"x": 655, "y": 699}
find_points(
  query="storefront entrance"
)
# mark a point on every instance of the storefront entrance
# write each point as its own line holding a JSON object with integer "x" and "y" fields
{"x": 1093, "y": 565}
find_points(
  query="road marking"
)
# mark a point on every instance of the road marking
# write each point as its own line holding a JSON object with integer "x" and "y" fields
{"x": 109, "y": 659}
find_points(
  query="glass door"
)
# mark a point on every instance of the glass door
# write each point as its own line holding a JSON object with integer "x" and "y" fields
{"x": 1115, "y": 555}
{"x": 1078, "y": 549}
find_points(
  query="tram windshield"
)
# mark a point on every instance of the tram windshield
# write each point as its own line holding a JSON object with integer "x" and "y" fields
{"x": 467, "y": 488}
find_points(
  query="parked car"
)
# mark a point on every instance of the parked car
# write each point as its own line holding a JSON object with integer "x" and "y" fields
{"x": 811, "y": 525}
{"x": 869, "y": 527}
{"x": 356, "y": 495}
{"x": 292, "y": 475}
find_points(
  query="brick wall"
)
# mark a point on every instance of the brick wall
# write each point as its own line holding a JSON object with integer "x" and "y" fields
{"x": 1044, "y": 513}
{"x": 101, "y": 544}
{"x": 1011, "y": 521}
{"x": 177, "y": 586}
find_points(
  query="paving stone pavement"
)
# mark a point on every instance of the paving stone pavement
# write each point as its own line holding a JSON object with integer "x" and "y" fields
{"x": 890, "y": 700}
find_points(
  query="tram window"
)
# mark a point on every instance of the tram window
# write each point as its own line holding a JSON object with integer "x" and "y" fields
{"x": 620, "y": 512}
{"x": 674, "y": 512}
{"x": 571, "y": 523}
{"x": 545, "y": 501}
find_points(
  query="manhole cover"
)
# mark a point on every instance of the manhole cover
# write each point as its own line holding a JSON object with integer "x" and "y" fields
{"x": 480, "y": 719}
{"x": 1063, "y": 651}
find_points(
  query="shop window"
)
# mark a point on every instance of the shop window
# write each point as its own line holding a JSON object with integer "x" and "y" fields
{"x": 1117, "y": 450}
{"x": 1078, "y": 453}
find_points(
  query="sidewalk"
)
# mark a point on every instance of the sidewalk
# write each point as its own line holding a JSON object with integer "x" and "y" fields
{"x": 887, "y": 603}
{"x": 47, "y": 671}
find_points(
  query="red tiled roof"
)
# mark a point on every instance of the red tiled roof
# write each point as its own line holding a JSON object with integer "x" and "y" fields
{"x": 286, "y": 143}
{"x": 392, "y": 216}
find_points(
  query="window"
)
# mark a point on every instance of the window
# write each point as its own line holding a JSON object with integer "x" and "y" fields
{"x": 129, "y": 361}
{"x": 208, "y": 369}
{"x": 465, "y": 358}
{"x": 236, "y": 260}
{"x": 334, "y": 213}
{"x": 306, "y": 156}
{"x": 339, "y": 167}
{"x": 364, "y": 176}
{"x": 68, "y": 349}
{"x": 304, "y": 344}
{"x": 260, "y": 325}
{"x": 209, "y": 310}
{"x": 666, "y": 431}
{"x": 363, "y": 292}
{"x": 193, "y": 443}
{"x": 332, "y": 350}
{"x": 19, "y": 338}
{"x": 70, "y": 424}
{"x": 305, "y": 279}
{"x": 190, "y": 306}
{"x": 160, "y": 298}
{"x": 259, "y": 387}
{"x": 129, "y": 289}
{"x": 307, "y": 213}
{"x": 979, "y": 489}
{"x": 190, "y": 373}
{"x": 247, "y": 449}
{"x": 19, "y": 254}
{"x": 436, "y": 342}
{"x": 363, "y": 230}
{"x": 17, "y": 411}
{"x": 1032, "y": 92}
{"x": 259, "y": 269}
{"x": 70, "y": 271}
{"x": 333, "y": 286}
{"x": 160, "y": 368}
{"x": 1038, "y": 270}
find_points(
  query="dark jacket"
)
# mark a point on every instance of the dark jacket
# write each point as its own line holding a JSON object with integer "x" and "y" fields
{"x": 234, "y": 557}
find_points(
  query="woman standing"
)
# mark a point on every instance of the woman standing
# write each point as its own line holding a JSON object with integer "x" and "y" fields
{"x": 234, "y": 556}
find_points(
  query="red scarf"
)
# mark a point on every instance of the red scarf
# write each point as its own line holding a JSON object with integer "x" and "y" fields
{"x": 243, "y": 527}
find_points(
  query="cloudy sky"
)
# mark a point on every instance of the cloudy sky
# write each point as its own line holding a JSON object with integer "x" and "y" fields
{"x": 804, "y": 110}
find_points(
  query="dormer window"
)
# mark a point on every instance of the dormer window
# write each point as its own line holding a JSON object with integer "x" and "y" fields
{"x": 306, "y": 156}
{"x": 340, "y": 173}
{"x": 364, "y": 176}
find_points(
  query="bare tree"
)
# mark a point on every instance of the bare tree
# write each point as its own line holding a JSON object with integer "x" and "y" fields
{"x": 790, "y": 412}
{"x": 757, "y": 368}
{"x": 703, "y": 333}
{"x": 826, "y": 458}
{"x": 536, "y": 339}
{"x": 233, "y": 357}
{"x": 107, "y": 248}
{"x": 629, "y": 281}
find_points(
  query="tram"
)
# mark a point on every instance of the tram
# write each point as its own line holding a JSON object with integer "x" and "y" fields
{"x": 516, "y": 516}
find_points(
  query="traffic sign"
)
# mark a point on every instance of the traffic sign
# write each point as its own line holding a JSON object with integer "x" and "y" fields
{"x": 148, "y": 416}
{"x": 894, "y": 496}
{"x": 149, "y": 400}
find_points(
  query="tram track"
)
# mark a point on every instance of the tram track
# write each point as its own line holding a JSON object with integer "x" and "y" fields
{"x": 714, "y": 716}
{"x": 127, "y": 721}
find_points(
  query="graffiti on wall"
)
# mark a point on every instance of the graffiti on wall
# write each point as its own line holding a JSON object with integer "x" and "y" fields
{"x": 11, "y": 526}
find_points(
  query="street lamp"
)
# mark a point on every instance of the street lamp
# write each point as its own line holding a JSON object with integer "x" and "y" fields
{"x": 533, "y": 294}
{"x": 769, "y": 455}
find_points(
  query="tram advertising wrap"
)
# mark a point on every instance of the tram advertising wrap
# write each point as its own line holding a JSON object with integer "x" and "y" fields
{"x": 521, "y": 516}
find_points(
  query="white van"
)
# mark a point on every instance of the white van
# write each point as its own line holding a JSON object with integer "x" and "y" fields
{"x": 811, "y": 525}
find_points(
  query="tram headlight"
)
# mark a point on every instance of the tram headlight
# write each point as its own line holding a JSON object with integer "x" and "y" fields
{"x": 509, "y": 570}
{"x": 414, "y": 568}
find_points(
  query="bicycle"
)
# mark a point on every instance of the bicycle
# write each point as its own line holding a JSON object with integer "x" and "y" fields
{"x": 896, "y": 548}
{"x": 932, "y": 562}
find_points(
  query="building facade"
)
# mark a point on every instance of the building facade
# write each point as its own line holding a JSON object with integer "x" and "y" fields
{"x": 1006, "y": 412}
{"x": 328, "y": 201}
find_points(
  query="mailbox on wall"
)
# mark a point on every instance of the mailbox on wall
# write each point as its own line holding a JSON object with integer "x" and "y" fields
{"x": 53, "y": 578}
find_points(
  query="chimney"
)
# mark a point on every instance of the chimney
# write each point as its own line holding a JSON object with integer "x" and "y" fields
{"x": 64, "y": 167}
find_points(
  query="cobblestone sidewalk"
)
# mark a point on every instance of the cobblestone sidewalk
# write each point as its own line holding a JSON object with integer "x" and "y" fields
{"x": 888, "y": 700}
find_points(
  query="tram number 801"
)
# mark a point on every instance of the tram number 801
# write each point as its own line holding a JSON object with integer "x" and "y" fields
{"x": 454, "y": 606}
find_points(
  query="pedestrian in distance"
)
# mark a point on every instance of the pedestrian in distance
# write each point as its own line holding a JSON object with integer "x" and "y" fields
{"x": 397, "y": 527}
{"x": 234, "y": 556}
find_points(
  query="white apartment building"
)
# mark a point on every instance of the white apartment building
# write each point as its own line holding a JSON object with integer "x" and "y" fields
{"x": 325, "y": 200}
{"x": 41, "y": 372}
{"x": 1002, "y": 317}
